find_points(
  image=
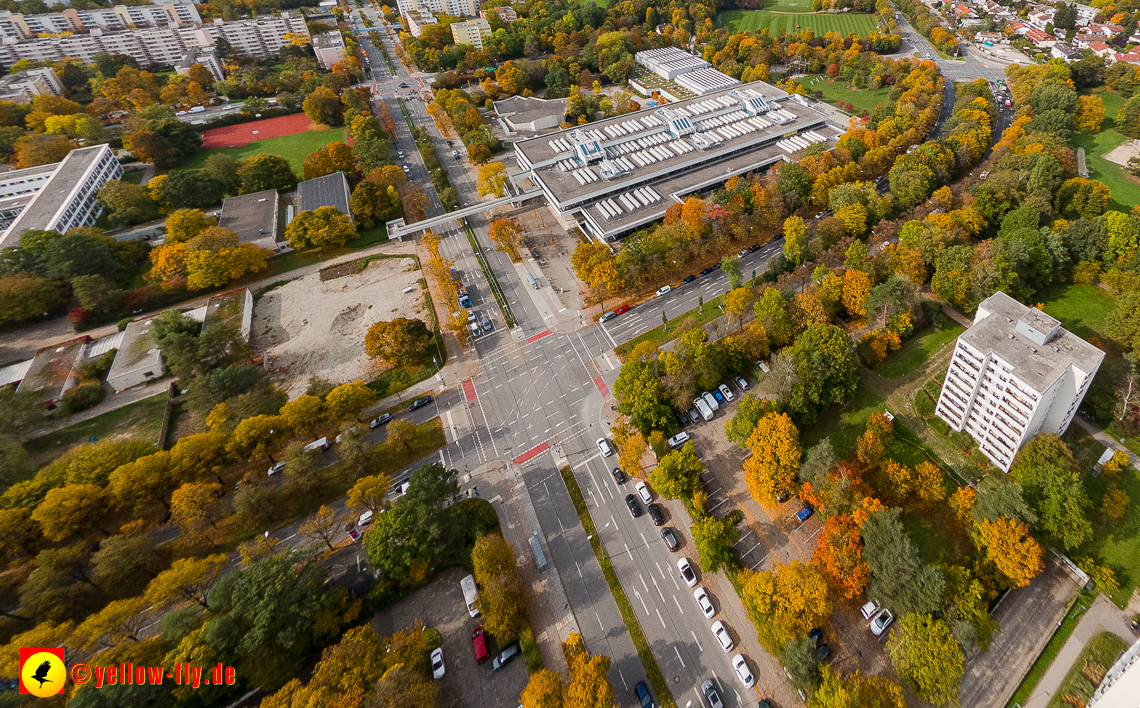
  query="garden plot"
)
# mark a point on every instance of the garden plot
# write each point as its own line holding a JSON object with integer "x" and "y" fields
{"x": 310, "y": 327}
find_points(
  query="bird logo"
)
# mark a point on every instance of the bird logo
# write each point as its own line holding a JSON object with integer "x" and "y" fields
{"x": 42, "y": 672}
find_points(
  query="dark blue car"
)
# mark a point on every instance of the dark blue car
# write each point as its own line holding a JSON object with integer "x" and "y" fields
{"x": 804, "y": 514}
{"x": 643, "y": 695}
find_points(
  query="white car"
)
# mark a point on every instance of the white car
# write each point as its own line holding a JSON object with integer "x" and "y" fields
{"x": 365, "y": 519}
{"x": 643, "y": 492}
{"x": 740, "y": 666}
{"x": 663, "y": 289}
{"x": 881, "y": 622}
{"x": 277, "y": 467}
{"x": 686, "y": 570}
{"x": 437, "y": 667}
{"x": 604, "y": 446}
{"x": 726, "y": 392}
{"x": 721, "y": 633}
{"x": 868, "y": 611}
{"x": 741, "y": 383}
{"x": 678, "y": 440}
{"x": 710, "y": 400}
{"x": 401, "y": 489}
{"x": 703, "y": 408}
{"x": 704, "y": 602}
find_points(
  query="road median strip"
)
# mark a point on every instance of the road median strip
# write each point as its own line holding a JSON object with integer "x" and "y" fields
{"x": 656, "y": 678}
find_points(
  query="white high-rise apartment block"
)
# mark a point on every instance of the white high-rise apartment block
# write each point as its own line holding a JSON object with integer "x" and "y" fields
{"x": 459, "y": 8}
{"x": 1015, "y": 372}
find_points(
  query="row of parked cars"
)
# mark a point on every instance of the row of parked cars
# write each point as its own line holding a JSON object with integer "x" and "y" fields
{"x": 706, "y": 405}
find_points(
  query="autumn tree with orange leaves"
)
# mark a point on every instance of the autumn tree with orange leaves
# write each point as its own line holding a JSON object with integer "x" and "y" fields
{"x": 1010, "y": 547}
{"x": 776, "y": 454}
{"x": 839, "y": 556}
{"x": 786, "y": 603}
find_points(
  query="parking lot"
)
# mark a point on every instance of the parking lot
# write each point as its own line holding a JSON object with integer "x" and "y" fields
{"x": 466, "y": 684}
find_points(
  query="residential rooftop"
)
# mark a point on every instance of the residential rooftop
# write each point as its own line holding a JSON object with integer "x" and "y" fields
{"x": 136, "y": 350}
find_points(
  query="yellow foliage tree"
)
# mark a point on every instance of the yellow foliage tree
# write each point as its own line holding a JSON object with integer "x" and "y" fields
{"x": 786, "y": 603}
{"x": 776, "y": 454}
{"x": 1010, "y": 547}
{"x": 1089, "y": 115}
{"x": 856, "y": 290}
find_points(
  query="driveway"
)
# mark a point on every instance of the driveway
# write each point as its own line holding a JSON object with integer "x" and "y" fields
{"x": 466, "y": 684}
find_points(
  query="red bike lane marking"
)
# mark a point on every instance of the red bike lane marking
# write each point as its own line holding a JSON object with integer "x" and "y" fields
{"x": 532, "y": 453}
{"x": 602, "y": 388}
{"x": 535, "y": 338}
{"x": 469, "y": 390}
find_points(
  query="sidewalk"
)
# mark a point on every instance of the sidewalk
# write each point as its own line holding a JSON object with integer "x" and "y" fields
{"x": 1102, "y": 616}
{"x": 1107, "y": 440}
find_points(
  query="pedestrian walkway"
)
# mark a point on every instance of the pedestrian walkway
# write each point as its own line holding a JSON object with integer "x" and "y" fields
{"x": 1107, "y": 440}
{"x": 1100, "y": 617}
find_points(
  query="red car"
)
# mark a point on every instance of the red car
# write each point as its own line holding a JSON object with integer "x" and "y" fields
{"x": 621, "y": 310}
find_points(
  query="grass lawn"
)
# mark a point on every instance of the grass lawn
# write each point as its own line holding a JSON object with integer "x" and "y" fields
{"x": 750, "y": 20}
{"x": 1125, "y": 189}
{"x": 293, "y": 148}
{"x": 788, "y": 5}
{"x": 142, "y": 420}
{"x": 833, "y": 91}
{"x": 1102, "y": 650}
{"x": 844, "y": 424}
{"x": 918, "y": 349}
{"x": 399, "y": 378}
{"x": 1082, "y": 309}
{"x": 134, "y": 176}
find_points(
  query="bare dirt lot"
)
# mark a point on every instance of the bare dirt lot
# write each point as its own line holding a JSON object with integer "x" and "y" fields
{"x": 312, "y": 327}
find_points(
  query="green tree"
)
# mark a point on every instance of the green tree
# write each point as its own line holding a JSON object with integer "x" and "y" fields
{"x": 748, "y": 413}
{"x": 926, "y": 656}
{"x": 121, "y": 560}
{"x": 827, "y": 368}
{"x": 321, "y": 227}
{"x": 639, "y": 395}
{"x": 60, "y": 585}
{"x": 265, "y": 171}
{"x": 400, "y": 342}
{"x": 410, "y": 536}
{"x": 24, "y": 296}
{"x": 799, "y": 658}
{"x": 129, "y": 203}
{"x": 714, "y": 540}
{"x": 678, "y": 474}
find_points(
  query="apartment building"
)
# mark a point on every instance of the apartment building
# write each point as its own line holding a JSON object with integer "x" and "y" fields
{"x": 1015, "y": 372}
{"x": 329, "y": 48}
{"x": 25, "y": 85}
{"x": 62, "y": 199}
{"x": 459, "y": 8}
{"x": 506, "y": 14}
{"x": 161, "y": 46}
{"x": 471, "y": 32}
{"x": 120, "y": 17}
{"x": 417, "y": 20}
{"x": 206, "y": 56}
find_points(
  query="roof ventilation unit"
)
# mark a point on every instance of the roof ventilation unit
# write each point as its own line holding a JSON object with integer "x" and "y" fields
{"x": 586, "y": 148}
{"x": 676, "y": 123}
{"x": 706, "y": 141}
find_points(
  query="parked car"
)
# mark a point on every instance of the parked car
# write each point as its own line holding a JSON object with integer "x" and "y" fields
{"x": 739, "y": 380}
{"x": 642, "y": 692}
{"x": 401, "y": 489}
{"x": 706, "y": 271}
{"x": 716, "y": 394}
{"x": 382, "y": 419}
{"x": 604, "y": 446}
{"x": 713, "y": 696}
{"x": 634, "y": 507}
{"x": 815, "y": 635}
{"x": 678, "y": 440}
{"x": 276, "y": 467}
{"x": 619, "y": 476}
{"x": 743, "y": 253}
{"x": 505, "y": 658}
{"x": 622, "y": 310}
{"x": 704, "y": 602}
{"x": 822, "y": 653}
{"x": 710, "y": 401}
{"x": 705, "y": 410}
{"x": 487, "y": 325}
{"x": 437, "y": 667}
{"x": 722, "y": 637}
{"x": 686, "y": 570}
{"x": 644, "y": 492}
{"x": 740, "y": 666}
{"x": 664, "y": 289}
{"x": 804, "y": 514}
{"x": 688, "y": 279}
{"x": 726, "y": 392}
{"x": 656, "y": 515}
{"x": 754, "y": 248}
{"x": 881, "y": 622}
{"x": 670, "y": 538}
{"x": 693, "y": 415}
{"x": 868, "y": 611}
{"x": 783, "y": 497}
{"x": 606, "y": 317}
{"x": 420, "y": 403}
{"x": 479, "y": 644}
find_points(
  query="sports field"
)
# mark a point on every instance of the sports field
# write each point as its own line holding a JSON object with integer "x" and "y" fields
{"x": 786, "y": 5}
{"x": 749, "y": 20}
{"x": 237, "y": 135}
{"x": 293, "y": 148}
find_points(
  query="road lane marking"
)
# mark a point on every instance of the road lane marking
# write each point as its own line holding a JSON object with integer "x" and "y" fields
{"x": 637, "y": 593}
{"x": 531, "y": 453}
{"x": 658, "y": 589}
{"x": 663, "y": 625}
{"x": 696, "y": 640}
{"x": 676, "y": 602}
{"x": 679, "y": 656}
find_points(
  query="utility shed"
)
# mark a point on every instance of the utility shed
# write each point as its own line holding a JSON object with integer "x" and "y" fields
{"x": 138, "y": 359}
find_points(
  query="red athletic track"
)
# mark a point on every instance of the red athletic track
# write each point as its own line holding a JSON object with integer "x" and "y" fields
{"x": 242, "y": 134}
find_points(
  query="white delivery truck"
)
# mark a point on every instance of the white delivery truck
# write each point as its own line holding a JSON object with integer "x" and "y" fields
{"x": 470, "y": 594}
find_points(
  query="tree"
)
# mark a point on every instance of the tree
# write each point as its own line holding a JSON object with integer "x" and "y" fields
{"x": 929, "y": 483}
{"x": 492, "y": 180}
{"x": 254, "y": 437}
{"x": 369, "y": 493}
{"x": 543, "y": 690}
{"x": 18, "y": 535}
{"x": 223, "y": 169}
{"x": 402, "y": 436}
{"x": 839, "y": 555}
{"x": 68, "y": 510}
{"x": 503, "y": 232}
{"x": 776, "y": 453}
{"x": 407, "y": 538}
{"x": 898, "y": 578}
{"x": 800, "y": 660}
{"x": 748, "y": 413}
{"x": 926, "y": 656}
{"x": 118, "y": 621}
{"x": 795, "y": 232}
{"x": 678, "y": 474}
{"x": 60, "y": 585}
{"x": 139, "y": 484}
{"x": 372, "y": 202}
{"x": 400, "y": 342}
{"x": 321, "y": 227}
{"x": 324, "y": 107}
{"x": 589, "y": 685}
{"x": 786, "y": 603}
{"x": 191, "y": 189}
{"x": 304, "y": 413}
{"x": 502, "y": 599}
{"x": 1127, "y": 119}
{"x": 714, "y": 540}
{"x": 195, "y": 504}
{"x": 1010, "y": 547}
{"x": 24, "y": 296}
{"x": 35, "y": 149}
{"x": 129, "y": 203}
{"x": 827, "y": 370}
{"x": 348, "y": 400}
{"x": 1090, "y": 114}
{"x": 265, "y": 171}
{"x": 187, "y": 580}
{"x": 856, "y": 291}
{"x": 167, "y": 142}
{"x": 121, "y": 559}
{"x": 858, "y": 691}
{"x": 639, "y": 395}
{"x": 196, "y": 457}
{"x": 324, "y": 525}
{"x": 184, "y": 224}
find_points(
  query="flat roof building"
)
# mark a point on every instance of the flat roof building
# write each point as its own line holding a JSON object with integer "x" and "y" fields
{"x": 329, "y": 48}
{"x": 471, "y": 32}
{"x": 459, "y": 8}
{"x": 253, "y": 217}
{"x": 206, "y": 56}
{"x": 615, "y": 175}
{"x": 530, "y": 114}
{"x": 67, "y": 197}
{"x": 506, "y": 14}
{"x": 232, "y": 309}
{"x": 138, "y": 358}
{"x": 669, "y": 62}
{"x": 330, "y": 190}
{"x": 23, "y": 86}
{"x": 417, "y": 20}
{"x": 705, "y": 81}
{"x": 1015, "y": 373}
{"x": 53, "y": 371}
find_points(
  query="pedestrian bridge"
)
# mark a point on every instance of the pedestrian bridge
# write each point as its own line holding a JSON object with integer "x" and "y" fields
{"x": 397, "y": 229}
